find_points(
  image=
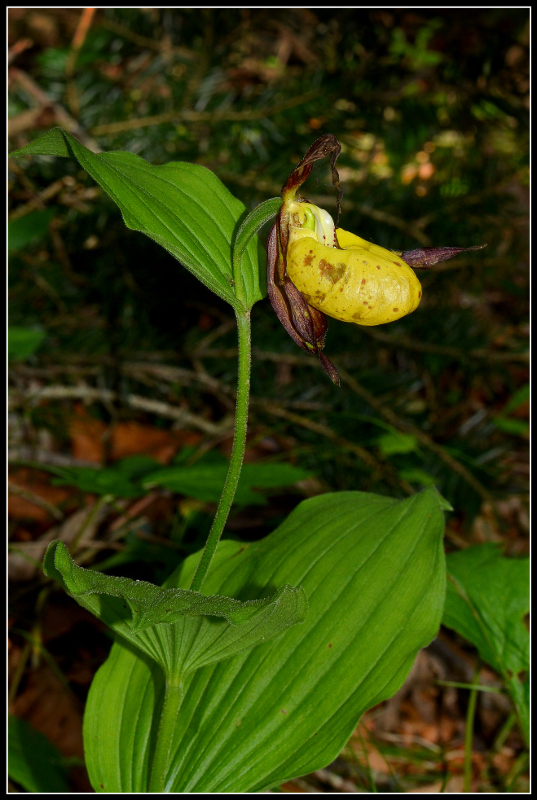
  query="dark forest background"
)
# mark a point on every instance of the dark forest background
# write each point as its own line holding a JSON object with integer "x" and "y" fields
{"x": 109, "y": 336}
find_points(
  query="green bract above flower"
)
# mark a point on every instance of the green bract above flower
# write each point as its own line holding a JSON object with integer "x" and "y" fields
{"x": 316, "y": 269}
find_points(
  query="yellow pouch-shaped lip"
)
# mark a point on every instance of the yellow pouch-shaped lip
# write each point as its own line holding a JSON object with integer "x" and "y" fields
{"x": 347, "y": 239}
{"x": 351, "y": 241}
{"x": 362, "y": 283}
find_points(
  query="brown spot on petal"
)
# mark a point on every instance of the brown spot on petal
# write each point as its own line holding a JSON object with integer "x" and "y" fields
{"x": 396, "y": 309}
{"x": 363, "y": 280}
{"x": 332, "y": 272}
{"x": 378, "y": 266}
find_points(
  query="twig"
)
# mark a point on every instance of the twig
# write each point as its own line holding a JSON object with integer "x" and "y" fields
{"x": 162, "y": 46}
{"x": 18, "y": 48}
{"x": 89, "y": 394}
{"x": 27, "y": 84}
{"x": 39, "y": 199}
{"x": 84, "y": 24}
{"x": 136, "y": 370}
{"x": 454, "y": 352}
{"x": 410, "y": 228}
{"x": 134, "y": 510}
{"x": 27, "y": 494}
{"x": 336, "y": 781}
{"x": 420, "y": 435}
{"x": 26, "y": 455}
{"x": 40, "y": 117}
{"x": 323, "y": 430}
{"x": 387, "y": 413}
{"x": 349, "y": 359}
{"x": 201, "y": 116}
{"x": 225, "y": 327}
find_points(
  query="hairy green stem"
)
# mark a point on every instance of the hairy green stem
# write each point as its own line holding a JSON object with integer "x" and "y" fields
{"x": 237, "y": 455}
{"x": 160, "y": 768}
{"x": 168, "y": 720}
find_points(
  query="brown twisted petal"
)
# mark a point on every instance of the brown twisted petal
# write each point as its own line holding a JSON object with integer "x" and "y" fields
{"x": 425, "y": 257}
{"x": 304, "y": 324}
{"x": 325, "y": 145}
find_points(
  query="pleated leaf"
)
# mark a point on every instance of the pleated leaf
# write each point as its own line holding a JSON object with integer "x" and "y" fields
{"x": 159, "y": 621}
{"x": 373, "y": 570}
{"x": 181, "y": 206}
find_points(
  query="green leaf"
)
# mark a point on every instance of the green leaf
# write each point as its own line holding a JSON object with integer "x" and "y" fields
{"x": 33, "y": 762}
{"x": 181, "y": 206}
{"x": 396, "y": 442}
{"x": 520, "y": 397}
{"x": 373, "y": 571}
{"x": 120, "y": 480}
{"x": 204, "y": 481}
{"x": 131, "y": 607}
{"x": 487, "y": 597}
{"x": 97, "y": 480}
{"x": 445, "y": 505}
{"x": 135, "y": 467}
{"x": 23, "y": 342}
{"x": 253, "y": 222}
{"x": 30, "y": 228}
{"x": 515, "y": 427}
{"x": 417, "y": 475}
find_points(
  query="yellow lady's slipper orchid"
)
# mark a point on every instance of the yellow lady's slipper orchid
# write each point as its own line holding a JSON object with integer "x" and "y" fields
{"x": 356, "y": 282}
{"x": 315, "y": 269}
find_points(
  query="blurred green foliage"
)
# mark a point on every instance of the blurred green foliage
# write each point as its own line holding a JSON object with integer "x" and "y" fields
{"x": 487, "y": 600}
{"x": 431, "y": 108}
{"x": 33, "y": 762}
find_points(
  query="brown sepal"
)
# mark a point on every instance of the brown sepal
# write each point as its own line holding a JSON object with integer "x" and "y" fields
{"x": 305, "y": 325}
{"x": 425, "y": 257}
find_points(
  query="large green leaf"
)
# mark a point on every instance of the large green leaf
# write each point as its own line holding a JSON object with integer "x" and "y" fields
{"x": 183, "y": 207}
{"x": 374, "y": 574}
{"x": 487, "y": 597}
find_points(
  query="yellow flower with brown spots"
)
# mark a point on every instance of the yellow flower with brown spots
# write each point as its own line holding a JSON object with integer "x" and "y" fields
{"x": 315, "y": 269}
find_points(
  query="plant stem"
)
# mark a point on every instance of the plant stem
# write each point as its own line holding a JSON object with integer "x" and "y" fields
{"x": 237, "y": 455}
{"x": 469, "y": 732}
{"x": 173, "y": 693}
{"x": 168, "y": 721}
